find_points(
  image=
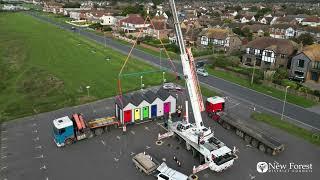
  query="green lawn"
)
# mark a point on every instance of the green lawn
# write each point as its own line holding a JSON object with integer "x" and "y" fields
{"x": 288, "y": 127}
{"x": 298, "y": 100}
{"x": 44, "y": 68}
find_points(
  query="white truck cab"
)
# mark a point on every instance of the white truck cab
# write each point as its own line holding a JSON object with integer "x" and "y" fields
{"x": 166, "y": 173}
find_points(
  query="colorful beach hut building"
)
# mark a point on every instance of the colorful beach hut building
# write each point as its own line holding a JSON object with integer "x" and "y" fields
{"x": 144, "y": 105}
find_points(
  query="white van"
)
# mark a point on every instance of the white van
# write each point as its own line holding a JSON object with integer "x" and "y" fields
{"x": 166, "y": 173}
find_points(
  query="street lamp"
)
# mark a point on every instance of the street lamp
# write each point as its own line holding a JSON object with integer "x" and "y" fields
{"x": 164, "y": 80}
{"x": 284, "y": 102}
{"x": 142, "y": 85}
{"x": 88, "y": 87}
{"x": 160, "y": 57}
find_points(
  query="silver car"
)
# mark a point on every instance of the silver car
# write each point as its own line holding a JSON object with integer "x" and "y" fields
{"x": 202, "y": 72}
{"x": 171, "y": 86}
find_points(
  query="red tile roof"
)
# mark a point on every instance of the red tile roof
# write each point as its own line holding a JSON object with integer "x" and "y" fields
{"x": 133, "y": 19}
{"x": 312, "y": 19}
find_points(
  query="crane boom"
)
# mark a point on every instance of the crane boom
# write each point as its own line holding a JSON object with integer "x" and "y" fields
{"x": 187, "y": 71}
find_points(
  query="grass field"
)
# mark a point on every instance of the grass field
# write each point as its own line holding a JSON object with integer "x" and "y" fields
{"x": 44, "y": 68}
{"x": 298, "y": 100}
{"x": 288, "y": 127}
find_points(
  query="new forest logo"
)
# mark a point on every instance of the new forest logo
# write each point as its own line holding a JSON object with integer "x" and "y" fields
{"x": 275, "y": 167}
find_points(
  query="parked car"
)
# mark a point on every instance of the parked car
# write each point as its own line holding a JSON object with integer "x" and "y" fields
{"x": 200, "y": 64}
{"x": 171, "y": 86}
{"x": 202, "y": 72}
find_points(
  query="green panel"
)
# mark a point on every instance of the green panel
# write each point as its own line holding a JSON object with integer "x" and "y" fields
{"x": 145, "y": 112}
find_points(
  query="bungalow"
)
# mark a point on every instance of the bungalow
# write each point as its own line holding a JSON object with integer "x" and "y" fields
{"x": 305, "y": 66}
{"x": 246, "y": 19}
{"x": 266, "y": 20}
{"x": 132, "y": 23}
{"x": 269, "y": 53}
{"x": 144, "y": 105}
{"x": 311, "y": 21}
{"x": 220, "y": 38}
{"x": 286, "y": 20}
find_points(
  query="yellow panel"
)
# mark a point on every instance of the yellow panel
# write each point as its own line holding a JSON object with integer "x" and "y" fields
{"x": 136, "y": 114}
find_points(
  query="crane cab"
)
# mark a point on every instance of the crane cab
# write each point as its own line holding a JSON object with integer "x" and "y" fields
{"x": 63, "y": 130}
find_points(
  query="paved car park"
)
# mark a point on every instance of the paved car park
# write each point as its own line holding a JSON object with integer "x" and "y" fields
{"x": 29, "y": 152}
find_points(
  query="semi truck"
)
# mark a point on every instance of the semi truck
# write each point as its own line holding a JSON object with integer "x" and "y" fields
{"x": 147, "y": 164}
{"x": 253, "y": 135}
{"x": 69, "y": 130}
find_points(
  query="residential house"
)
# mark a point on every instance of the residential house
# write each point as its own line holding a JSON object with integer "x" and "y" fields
{"x": 258, "y": 30}
{"x": 305, "y": 66}
{"x": 286, "y": 20}
{"x": 282, "y": 31}
{"x": 132, "y": 23}
{"x": 299, "y": 17}
{"x": 311, "y": 21}
{"x": 246, "y": 19}
{"x": 96, "y": 16}
{"x": 108, "y": 19}
{"x": 158, "y": 28}
{"x": 53, "y": 7}
{"x": 221, "y": 39}
{"x": 269, "y": 53}
{"x": 266, "y": 20}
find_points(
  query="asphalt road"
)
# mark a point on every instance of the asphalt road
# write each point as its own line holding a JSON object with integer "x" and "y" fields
{"x": 259, "y": 100}
{"x": 28, "y": 151}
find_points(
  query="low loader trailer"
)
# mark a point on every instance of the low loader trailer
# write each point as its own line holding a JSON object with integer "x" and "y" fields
{"x": 253, "y": 135}
{"x": 69, "y": 130}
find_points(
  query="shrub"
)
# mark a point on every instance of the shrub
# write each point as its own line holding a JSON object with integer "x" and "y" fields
{"x": 107, "y": 28}
{"x": 279, "y": 75}
{"x": 304, "y": 89}
{"x": 286, "y": 82}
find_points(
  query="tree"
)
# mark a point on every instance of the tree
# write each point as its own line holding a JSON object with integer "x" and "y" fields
{"x": 306, "y": 39}
{"x": 96, "y": 26}
{"x": 266, "y": 34}
{"x": 137, "y": 9}
{"x": 72, "y": 5}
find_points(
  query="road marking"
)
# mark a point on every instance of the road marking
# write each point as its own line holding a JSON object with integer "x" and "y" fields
{"x": 148, "y": 147}
{"x": 132, "y": 153}
{"x": 132, "y": 132}
{"x": 4, "y": 139}
{"x": 38, "y": 147}
{"x": 116, "y": 159}
{"x": 4, "y": 147}
{"x": 118, "y": 137}
{"x": 251, "y": 176}
{"x": 39, "y": 157}
{"x": 4, "y": 131}
{"x": 147, "y": 128}
{"x": 34, "y": 124}
{"x": 4, "y": 167}
{"x": 103, "y": 142}
{"x": 233, "y": 106}
{"x": 43, "y": 167}
{"x": 36, "y": 139}
{"x": 35, "y": 131}
{"x": 2, "y": 157}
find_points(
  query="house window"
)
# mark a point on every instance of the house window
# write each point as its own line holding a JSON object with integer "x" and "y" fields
{"x": 268, "y": 54}
{"x": 251, "y": 51}
{"x": 316, "y": 65}
{"x": 282, "y": 56}
{"x": 301, "y": 63}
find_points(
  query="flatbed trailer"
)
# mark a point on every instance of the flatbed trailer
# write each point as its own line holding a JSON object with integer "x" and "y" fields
{"x": 257, "y": 137}
{"x": 69, "y": 130}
